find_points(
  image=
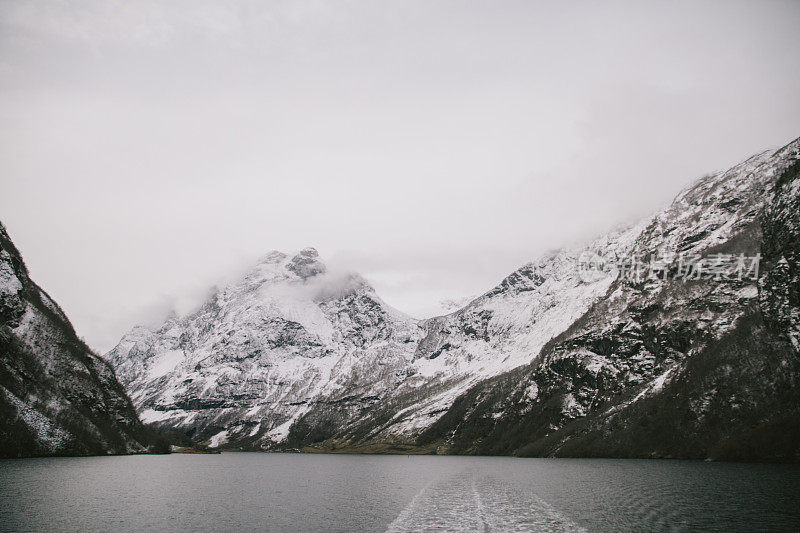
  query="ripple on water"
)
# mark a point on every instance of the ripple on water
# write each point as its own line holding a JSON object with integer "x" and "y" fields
{"x": 472, "y": 501}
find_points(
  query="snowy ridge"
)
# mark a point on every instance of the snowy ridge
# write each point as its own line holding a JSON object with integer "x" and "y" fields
{"x": 293, "y": 355}
{"x": 656, "y": 364}
{"x": 501, "y": 330}
{"x": 276, "y": 347}
{"x": 261, "y": 351}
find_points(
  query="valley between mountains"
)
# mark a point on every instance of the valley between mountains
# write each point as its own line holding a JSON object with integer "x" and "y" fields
{"x": 554, "y": 361}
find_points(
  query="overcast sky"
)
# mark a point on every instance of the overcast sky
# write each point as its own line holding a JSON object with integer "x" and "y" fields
{"x": 151, "y": 149}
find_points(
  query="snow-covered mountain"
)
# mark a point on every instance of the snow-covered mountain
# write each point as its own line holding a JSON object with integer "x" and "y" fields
{"x": 56, "y": 396}
{"x": 293, "y": 355}
{"x": 287, "y": 337}
{"x": 305, "y": 350}
{"x": 703, "y": 365}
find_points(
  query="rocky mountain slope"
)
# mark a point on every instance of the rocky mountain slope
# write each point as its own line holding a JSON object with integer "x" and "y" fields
{"x": 608, "y": 349}
{"x": 283, "y": 340}
{"x": 285, "y": 356}
{"x": 56, "y": 396}
{"x": 702, "y": 366}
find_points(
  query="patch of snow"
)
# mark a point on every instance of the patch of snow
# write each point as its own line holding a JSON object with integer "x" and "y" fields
{"x": 279, "y": 434}
{"x": 219, "y": 439}
{"x": 151, "y": 415}
{"x": 748, "y": 292}
{"x": 571, "y": 407}
{"x": 532, "y": 392}
{"x": 9, "y": 283}
{"x": 52, "y": 437}
{"x": 164, "y": 363}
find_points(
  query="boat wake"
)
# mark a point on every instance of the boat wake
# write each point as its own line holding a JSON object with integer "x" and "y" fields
{"x": 469, "y": 501}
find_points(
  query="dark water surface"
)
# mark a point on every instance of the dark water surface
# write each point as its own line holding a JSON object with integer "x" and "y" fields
{"x": 297, "y": 492}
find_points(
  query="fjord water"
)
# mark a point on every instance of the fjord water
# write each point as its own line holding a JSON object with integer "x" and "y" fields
{"x": 298, "y": 492}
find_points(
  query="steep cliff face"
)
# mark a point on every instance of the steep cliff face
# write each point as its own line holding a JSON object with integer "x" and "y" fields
{"x": 56, "y": 396}
{"x": 780, "y": 286}
{"x": 702, "y": 365}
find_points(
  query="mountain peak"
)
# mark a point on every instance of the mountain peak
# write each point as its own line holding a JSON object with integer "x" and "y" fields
{"x": 273, "y": 257}
{"x": 306, "y": 263}
{"x": 308, "y": 252}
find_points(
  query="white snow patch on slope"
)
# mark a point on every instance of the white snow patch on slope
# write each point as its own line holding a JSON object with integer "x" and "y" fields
{"x": 9, "y": 284}
{"x": 165, "y": 363}
{"x": 219, "y": 439}
{"x": 49, "y": 435}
